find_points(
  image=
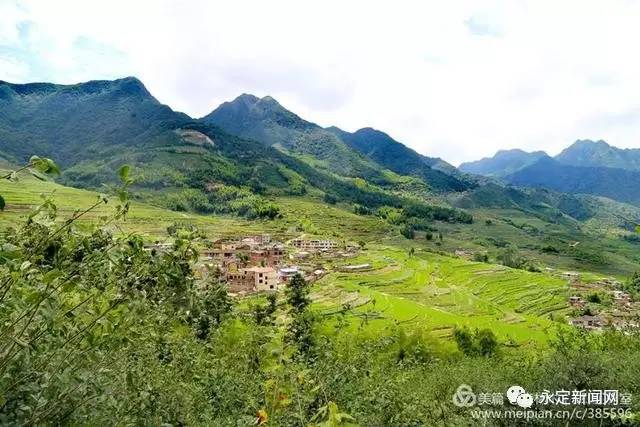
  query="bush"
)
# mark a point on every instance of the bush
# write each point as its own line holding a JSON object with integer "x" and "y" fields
{"x": 482, "y": 342}
{"x": 330, "y": 199}
{"x": 408, "y": 232}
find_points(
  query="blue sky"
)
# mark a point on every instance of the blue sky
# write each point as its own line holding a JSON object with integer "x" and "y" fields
{"x": 455, "y": 79}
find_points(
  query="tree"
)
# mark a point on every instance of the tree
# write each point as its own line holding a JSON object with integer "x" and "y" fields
{"x": 300, "y": 330}
{"x": 510, "y": 257}
{"x": 482, "y": 342}
{"x": 297, "y": 293}
{"x": 330, "y": 199}
{"x": 408, "y": 232}
{"x": 594, "y": 298}
{"x": 634, "y": 282}
{"x": 486, "y": 342}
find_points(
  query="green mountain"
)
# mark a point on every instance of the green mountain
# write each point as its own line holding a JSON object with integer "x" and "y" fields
{"x": 600, "y": 154}
{"x": 265, "y": 120}
{"x": 77, "y": 122}
{"x": 93, "y": 128}
{"x": 617, "y": 184}
{"x": 384, "y": 150}
{"x": 503, "y": 163}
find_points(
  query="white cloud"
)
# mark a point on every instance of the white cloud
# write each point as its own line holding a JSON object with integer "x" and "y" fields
{"x": 458, "y": 79}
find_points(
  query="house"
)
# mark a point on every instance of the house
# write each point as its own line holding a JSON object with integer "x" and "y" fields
{"x": 577, "y": 302}
{"x": 588, "y": 322}
{"x": 571, "y": 275}
{"x": 252, "y": 279}
{"x": 315, "y": 245}
{"x": 621, "y": 298}
{"x": 226, "y": 251}
{"x": 461, "y": 253}
{"x": 268, "y": 256}
{"x": 286, "y": 273}
{"x": 299, "y": 255}
{"x": 265, "y": 278}
{"x": 258, "y": 240}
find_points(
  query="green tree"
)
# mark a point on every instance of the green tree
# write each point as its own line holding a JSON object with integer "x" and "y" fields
{"x": 297, "y": 293}
{"x": 300, "y": 330}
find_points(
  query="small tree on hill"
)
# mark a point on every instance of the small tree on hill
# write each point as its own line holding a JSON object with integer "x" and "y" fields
{"x": 480, "y": 343}
{"x": 300, "y": 330}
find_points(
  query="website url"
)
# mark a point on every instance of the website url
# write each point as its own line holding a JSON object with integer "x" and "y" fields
{"x": 531, "y": 414}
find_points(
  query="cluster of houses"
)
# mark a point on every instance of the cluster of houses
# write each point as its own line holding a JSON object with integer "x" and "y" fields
{"x": 617, "y": 318}
{"x": 258, "y": 264}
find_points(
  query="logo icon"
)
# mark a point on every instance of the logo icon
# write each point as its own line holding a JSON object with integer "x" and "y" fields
{"x": 464, "y": 397}
{"x": 518, "y": 396}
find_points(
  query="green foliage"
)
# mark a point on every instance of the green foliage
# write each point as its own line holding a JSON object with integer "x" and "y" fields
{"x": 408, "y": 232}
{"x": 634, "y": 282}
{"x": 481, "y": 257}
{"x": 330, "y": 199}
{"x": 482, "y": 342}
{"x": 594, "y": 298}
{"x": 510, "y": 256}
{"x": 300, "y": 329}
{"x": 298, "y": 294}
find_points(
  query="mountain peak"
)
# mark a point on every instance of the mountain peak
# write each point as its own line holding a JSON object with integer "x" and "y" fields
{"x": 369, "y": 131}
{"x": 246, "y": 98}
{"x": 503, "y": 163}
{"x": 585, "y": 152}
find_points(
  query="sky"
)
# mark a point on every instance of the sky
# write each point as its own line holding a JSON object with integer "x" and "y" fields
{"x": 452, "y": 79}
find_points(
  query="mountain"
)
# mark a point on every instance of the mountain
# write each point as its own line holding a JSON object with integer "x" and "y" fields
{"x": 265, "y": 120}
{"x": 617, "y": 184}
{"x": 74, "y": 122}
{"x": 393, "y": 155}
{"x": 503, "y": 163}
{"x": 93, "y": 128}
{"x": 600, "y": 154}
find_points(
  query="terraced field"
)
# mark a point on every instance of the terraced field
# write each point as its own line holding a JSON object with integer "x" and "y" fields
{"x": 439, "y": 292}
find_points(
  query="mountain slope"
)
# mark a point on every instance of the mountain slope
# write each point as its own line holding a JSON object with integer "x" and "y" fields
{"x": 617, "y": 184}
{"x": 265, "y": 120}
{"x": 397, "y": 157}
{"x": 600, "y": 154}
{"x": 74, "y": 122}
{"x": 503, "y": 163}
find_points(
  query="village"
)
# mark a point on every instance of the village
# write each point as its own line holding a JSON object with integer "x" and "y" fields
{"x": 601, "y": 304}
{"x": 258, "y": 263}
